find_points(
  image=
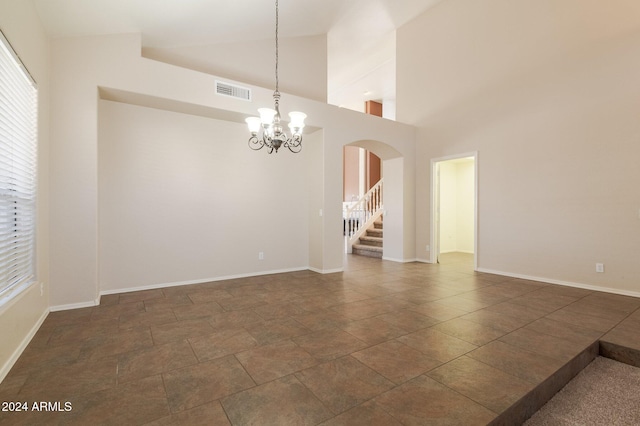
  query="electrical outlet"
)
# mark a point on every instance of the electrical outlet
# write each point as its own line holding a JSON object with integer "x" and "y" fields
{"x": 599, "y": 267}
{"x": 41, "y": 289}
{"x": 261, "y": 255}
{"x": 428, "y": 248}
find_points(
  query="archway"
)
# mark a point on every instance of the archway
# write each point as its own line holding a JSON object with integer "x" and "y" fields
{"x": 392, "y": 208}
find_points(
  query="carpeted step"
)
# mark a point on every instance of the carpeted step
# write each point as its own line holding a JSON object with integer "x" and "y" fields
{"x": 374, "y": 233}
{"x": 369, "y": 251}
{"x": 371, "y": 241}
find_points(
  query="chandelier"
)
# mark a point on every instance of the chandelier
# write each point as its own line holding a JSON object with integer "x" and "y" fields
{"x": 273, "y": 134}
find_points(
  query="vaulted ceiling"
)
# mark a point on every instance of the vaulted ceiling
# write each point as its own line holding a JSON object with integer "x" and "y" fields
{"x": 357, "y": 24}
{"x": 173, "y": 23}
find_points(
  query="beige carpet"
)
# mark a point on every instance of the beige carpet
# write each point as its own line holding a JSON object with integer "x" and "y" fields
{"x": 606, "y": 392}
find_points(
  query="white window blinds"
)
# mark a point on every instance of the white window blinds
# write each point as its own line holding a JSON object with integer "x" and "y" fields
{"x": 18, "y": 154}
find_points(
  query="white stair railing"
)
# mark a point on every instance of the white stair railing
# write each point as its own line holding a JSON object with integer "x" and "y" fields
{"x": 362, "y": 213}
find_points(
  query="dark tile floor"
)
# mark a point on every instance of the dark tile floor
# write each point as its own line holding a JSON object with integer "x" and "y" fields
{"x": 381, "y": 344}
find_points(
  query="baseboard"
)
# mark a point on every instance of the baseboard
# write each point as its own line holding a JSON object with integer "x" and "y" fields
{"x": 560, "y": 282}
{"x": 326, "y": 271}
{"x": 392, "y": 259}
{"x": 181, "y": 283}
{"x": 74, "y": 306}
{"x": 200, "y": 281}
{"x": 23, "y": 345}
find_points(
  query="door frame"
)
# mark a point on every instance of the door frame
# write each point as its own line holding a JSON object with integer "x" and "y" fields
{"x": 435, "y": 206}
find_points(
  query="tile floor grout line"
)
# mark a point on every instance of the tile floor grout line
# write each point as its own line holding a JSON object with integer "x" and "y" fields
{"x": 389, "y": 304}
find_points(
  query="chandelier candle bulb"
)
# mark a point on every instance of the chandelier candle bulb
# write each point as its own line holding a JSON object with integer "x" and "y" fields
{"x": 297, "y": 118}
{"x": 254, "y": 124}
{"x": 266, "y": 115}
{"x": 296, "y": 123}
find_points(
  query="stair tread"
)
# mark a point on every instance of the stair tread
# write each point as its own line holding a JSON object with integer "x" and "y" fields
{"x": 371, "y": 238}
{"x": 367, "y": 251}
{"x": 366, "y": 247}
{"x": 370, "y": 241}
{"x": 370, "y": 244}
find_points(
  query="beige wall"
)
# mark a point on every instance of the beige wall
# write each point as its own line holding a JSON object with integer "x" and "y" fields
{"x": 448, "y": 207}
{"x": 465, "y": 217}
{"x": 456, "y": 206}
{"x": 352, "y": 174}
{"x": 547, "y": 92}
{"x": 21, "y": 317}
{"x": 302, "y": 63}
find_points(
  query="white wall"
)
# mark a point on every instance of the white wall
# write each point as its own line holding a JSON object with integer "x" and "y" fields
{"x": 179, "y": 203}
{"x": 113, "y": 68}
{"x": 21, "y": 317}
{"x": 394, "y": 209}
{"x": 302, "y": 64}
{"x": 314, "y": 145}
{"x": 361, "y": 55}
{"x": 547, "y": 93}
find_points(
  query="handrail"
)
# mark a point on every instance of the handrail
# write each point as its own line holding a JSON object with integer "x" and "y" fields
{"x": 359, "y": 216}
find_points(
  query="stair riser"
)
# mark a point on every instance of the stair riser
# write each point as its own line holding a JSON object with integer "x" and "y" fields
{"x": 373, "y": 243}
{"x": 370, "y": 244}
{"x": 367, "y": 253}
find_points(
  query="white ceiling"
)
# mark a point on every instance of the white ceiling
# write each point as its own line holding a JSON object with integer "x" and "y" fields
{"x": 176, "y": 23}
{"x": 359, "y": 24}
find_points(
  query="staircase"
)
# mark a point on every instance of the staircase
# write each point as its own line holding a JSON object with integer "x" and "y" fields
{"x": 363, "y": 223}
{"x": 370, "y": 244}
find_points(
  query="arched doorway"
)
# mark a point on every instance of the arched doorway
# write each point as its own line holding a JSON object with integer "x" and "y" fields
{"x": 373, "y": 176}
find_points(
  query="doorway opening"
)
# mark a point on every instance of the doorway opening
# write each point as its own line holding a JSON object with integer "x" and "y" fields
{"x": 358, "y": 219}
{"x": 454, "y": 236}
{"x": 361, "y": 201}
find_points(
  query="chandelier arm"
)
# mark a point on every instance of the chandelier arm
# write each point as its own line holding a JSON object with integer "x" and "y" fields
{"x": 296, "y": 140}
{"x": 293, "y": 147}
{"x": 255, "y": 143}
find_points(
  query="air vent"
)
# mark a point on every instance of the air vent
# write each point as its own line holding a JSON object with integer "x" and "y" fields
{"x": 228, "y": 89}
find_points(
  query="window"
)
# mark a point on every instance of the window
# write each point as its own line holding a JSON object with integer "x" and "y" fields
{"x": 18, "y": 155}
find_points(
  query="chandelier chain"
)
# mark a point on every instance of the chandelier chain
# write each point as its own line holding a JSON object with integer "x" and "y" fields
{"x": 273, "y": 135}
{"x": 277, "y": 91}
